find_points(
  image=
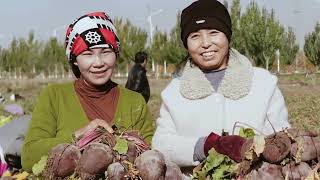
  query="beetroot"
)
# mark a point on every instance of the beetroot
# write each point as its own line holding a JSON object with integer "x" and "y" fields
{"x": 94, "y": 161}
{"x": 173, "y": 172}
{"x": 62, "y": 161}
{"x": 296, "y": 172}
{"x": 290, "y": 154}
{"x": 266, "y": 172}
{"x": 93, "y": 157}
{"x": 151, "y": 165}
{"x": 310, "y": 148}
{"x": 277, "y": 147}
{"x": 116, "y": 171}
{"x": 293, "y": 132}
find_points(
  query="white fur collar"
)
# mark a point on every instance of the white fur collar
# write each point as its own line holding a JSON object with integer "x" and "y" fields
{"x": 235, "y": 84}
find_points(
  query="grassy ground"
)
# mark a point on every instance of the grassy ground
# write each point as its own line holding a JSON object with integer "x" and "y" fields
{"x": 302, "y": 96}
{"x": 301, "y": 92}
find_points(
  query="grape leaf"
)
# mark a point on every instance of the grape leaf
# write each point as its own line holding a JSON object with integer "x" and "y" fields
{"x": 214, "y": 159}
{"x": 121, "y": 146}
{"x": 21, "y": 176}
{"x": 39, "y": 166}
{"x": 246, "y": 132}
{"x": 216, "y": 166}
{"x": 225, "y": 171}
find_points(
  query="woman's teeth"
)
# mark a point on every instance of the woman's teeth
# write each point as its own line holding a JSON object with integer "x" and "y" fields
{"x": 207, "y": 55}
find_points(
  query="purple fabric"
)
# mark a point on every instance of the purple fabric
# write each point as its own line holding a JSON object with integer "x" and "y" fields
{"x": 14, "y": 109}
{"x": 198, "y": 154}
{"x": 3, "y": 164}
{"x": 3, "y": 168}
{"x": 215, "y": 77}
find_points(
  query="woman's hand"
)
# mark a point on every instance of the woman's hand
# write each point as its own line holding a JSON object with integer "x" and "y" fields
{"x": 93, "y": 125}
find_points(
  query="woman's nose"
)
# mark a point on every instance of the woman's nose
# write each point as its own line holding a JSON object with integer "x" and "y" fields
{"x": 206, "y": 42}
{"x": 97, "y": 60}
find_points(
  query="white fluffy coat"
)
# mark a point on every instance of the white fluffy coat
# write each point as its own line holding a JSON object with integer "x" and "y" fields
{"x": 191, "y": 108}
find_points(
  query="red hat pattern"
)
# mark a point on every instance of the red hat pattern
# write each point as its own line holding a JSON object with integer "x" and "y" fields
{"x": 90, "y": 31}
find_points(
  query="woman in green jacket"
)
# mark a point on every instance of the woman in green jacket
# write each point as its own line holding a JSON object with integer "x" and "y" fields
{"x": 93, "y": 99}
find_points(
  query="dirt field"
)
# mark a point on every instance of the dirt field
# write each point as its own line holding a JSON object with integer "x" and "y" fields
{"x": 301, "y": 92}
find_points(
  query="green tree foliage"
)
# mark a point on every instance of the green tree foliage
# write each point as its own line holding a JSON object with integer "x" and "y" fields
{"x": 53, "y": 57}
{"x": 258, "y": 34}
{"x": 236, "y": 41}
{"x": 289, "y": 47}
{"x": 132, "y": 40}
{"x": 261, "y": 33}
{"x": 8, "y": 60}
{"x": 21, "y": 55}
{"x": 312, "y": 46}
{"x": 174, "y": 50}
{"x": 158, "y": 48}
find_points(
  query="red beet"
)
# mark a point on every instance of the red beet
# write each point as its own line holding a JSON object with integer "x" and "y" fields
{"x": 151, "y": 165}
{"x": 296, "y": 172}
{"x": 62, "y": 161}
{"x": 277, "y": 147}
{"x": 173, "y": 172}
{"x": 267, "y": 172}
{"x": 116, "y": 171}
{"x": 310, "y": 149}
{"x": 94, "y": 161}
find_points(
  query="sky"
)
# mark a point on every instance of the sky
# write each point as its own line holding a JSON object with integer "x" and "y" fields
{"x": 49, "y": 18}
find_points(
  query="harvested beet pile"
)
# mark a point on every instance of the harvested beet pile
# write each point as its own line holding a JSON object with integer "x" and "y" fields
{"x": 99, "y": 154}
{"x": 291, "y": 154}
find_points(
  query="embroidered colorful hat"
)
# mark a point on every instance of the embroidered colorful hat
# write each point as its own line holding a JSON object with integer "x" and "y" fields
{"x": 89, "y": 31}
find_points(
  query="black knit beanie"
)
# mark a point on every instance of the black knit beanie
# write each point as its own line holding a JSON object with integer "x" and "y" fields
{"x": 205, "y": 14}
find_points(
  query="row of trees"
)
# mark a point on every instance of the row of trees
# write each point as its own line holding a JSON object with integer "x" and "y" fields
{"x": 312, "y": 46}
{"x": 256, "y": 33}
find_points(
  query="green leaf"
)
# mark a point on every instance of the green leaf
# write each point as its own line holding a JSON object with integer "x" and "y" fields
{"x": 216, "y": 166}
{"x": 4, "y": 120}
{"x": 219, "y": 172}
{"x": 246, "y": 132}
{"x": 285, "y": 161}
{"x": 121, "y": 146}
{"x": 39, "y": 166}
{"x": 214, "y": 160}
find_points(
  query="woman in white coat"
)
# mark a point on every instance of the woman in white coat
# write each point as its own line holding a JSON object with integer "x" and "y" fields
{"x": 218, "y": 88}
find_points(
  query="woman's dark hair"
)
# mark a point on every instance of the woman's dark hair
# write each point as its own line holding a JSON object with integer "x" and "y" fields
{"x": 140, "y": 57}
{"x": 74, "y": 68}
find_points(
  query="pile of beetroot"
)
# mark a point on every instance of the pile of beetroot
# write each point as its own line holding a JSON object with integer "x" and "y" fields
{"x": 99, "y": 154}
{"x": 291, "y": 154}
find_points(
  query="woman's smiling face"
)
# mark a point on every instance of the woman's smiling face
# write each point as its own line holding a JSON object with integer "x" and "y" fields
{"x": 209, "y": 49}
{"x": 96, "y": 65}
